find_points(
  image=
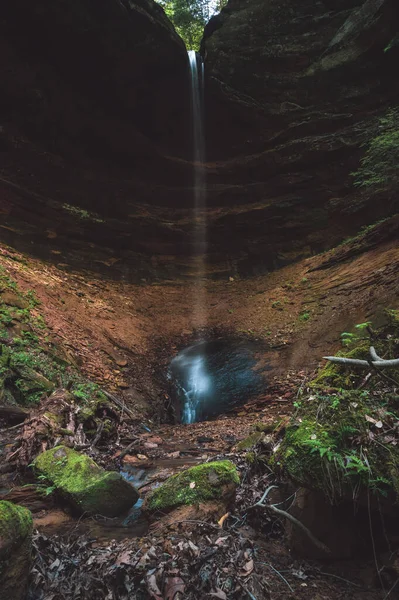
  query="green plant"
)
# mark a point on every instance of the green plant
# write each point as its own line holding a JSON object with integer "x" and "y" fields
{"x": 304, "y": 316}
{"x": 348, "y": 338}
{"x": 378, "y": 167}
{"x": 83, "y": 214}
{"x": 278, "y": 305}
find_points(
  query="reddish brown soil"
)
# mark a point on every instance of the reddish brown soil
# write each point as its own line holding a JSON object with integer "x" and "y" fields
{"x": 123, "y": 335}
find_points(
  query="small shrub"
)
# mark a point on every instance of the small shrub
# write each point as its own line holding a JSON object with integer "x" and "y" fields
{"x": 378, "y": 168}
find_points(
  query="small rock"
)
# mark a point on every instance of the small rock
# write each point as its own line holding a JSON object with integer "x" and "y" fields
{"x": 155, "y": 440}
{"x": 150, "y": 445}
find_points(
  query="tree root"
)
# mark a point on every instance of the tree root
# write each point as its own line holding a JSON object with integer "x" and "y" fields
{"x": 287, "y": 515}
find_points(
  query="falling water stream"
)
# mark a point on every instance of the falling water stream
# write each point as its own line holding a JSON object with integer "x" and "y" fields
{"x": 197, "y": 377}
{"x": 208, "y": 377}
{"x": 199, "y": 244}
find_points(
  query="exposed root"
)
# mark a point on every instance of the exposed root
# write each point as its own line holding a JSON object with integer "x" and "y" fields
{"x": 287, "y": 515}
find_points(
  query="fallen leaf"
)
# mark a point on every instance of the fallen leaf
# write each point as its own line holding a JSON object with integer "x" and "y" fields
{"x": 223, "y": 519}
{"x": 173, "y": 586}
{"x": 220, "y": 541}
{"x": 153, "y": 588}
{"x": 370, "y": 419}
{"x": 218, "y": 594}
{"x": 247, "y": 569}
{"x": 194, "y": 549}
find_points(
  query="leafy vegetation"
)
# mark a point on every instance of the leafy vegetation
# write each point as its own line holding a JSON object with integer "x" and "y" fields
{"x": 343, "y": 435}
{"x": 190, "y": 17}
{"x": 82, "y": 214}
{"x": 378, "y": 167}
{"x": 304, "y": 316}
{"x": 31, "y": 366}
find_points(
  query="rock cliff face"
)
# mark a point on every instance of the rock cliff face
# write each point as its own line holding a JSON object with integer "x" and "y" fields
{"x": 95, "y": 131}
{"x": 294, "y": 89}
{"x": 94, "y": 102}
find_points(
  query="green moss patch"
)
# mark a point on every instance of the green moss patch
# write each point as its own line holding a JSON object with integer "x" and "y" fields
{"x": 15, "y": 526}
{"x": 250, "y": 441}
{"x": 88, "y": 487}
{"x": 199, "y": 484}
{"x": 31, "y": 365}
{"x": 344, "y": 439}
{"x": 15, "y": 550}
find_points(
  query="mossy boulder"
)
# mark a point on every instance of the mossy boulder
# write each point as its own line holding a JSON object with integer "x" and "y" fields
{"x": 86, "y": 486}
{"x": 15, "y": 550}
{"x": 203, "y": 483}
{"x": 345, "y": 440}
{"x": 337, "y": 446}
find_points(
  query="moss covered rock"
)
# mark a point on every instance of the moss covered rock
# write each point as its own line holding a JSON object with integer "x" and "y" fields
{"x": 89, "y": 488}
{"x": 210, "y": 481}
{"x": 15, "y": 550}
{"x": 337, "y": 446}
{"x": 345, "y": 439}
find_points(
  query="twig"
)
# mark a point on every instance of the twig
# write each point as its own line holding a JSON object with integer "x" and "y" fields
{"x": 391, "y": 590}
{"x": 128, "y": 448}
{"x": 286, "y": 515}
{"x": 279, "y": 574}
{"x": 98, "y": 434}
{"x": 295, "y": 521}
{"x": 118, "y": 403}
{"x": 340, "y": 578}
{"x": 246, "y": 590}
{"x": 12, "y": 427}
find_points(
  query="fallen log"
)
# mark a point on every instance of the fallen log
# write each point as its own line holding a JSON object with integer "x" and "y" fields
{"x": 375, "y": 360}
{"x": 13, "y": 413}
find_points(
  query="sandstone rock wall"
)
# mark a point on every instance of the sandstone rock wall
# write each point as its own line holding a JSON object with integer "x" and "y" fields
{"x": 294, "y": 90}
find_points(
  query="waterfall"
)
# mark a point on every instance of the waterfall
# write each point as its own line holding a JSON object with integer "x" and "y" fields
{"x": 197, "y": 377}
{"x": 199, "y": 211}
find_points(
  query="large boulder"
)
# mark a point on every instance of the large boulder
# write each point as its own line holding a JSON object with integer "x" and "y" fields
{"x": 86, "y": 486}
{"x": 203, "y": 483}
{"x": 15, "y": 550}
